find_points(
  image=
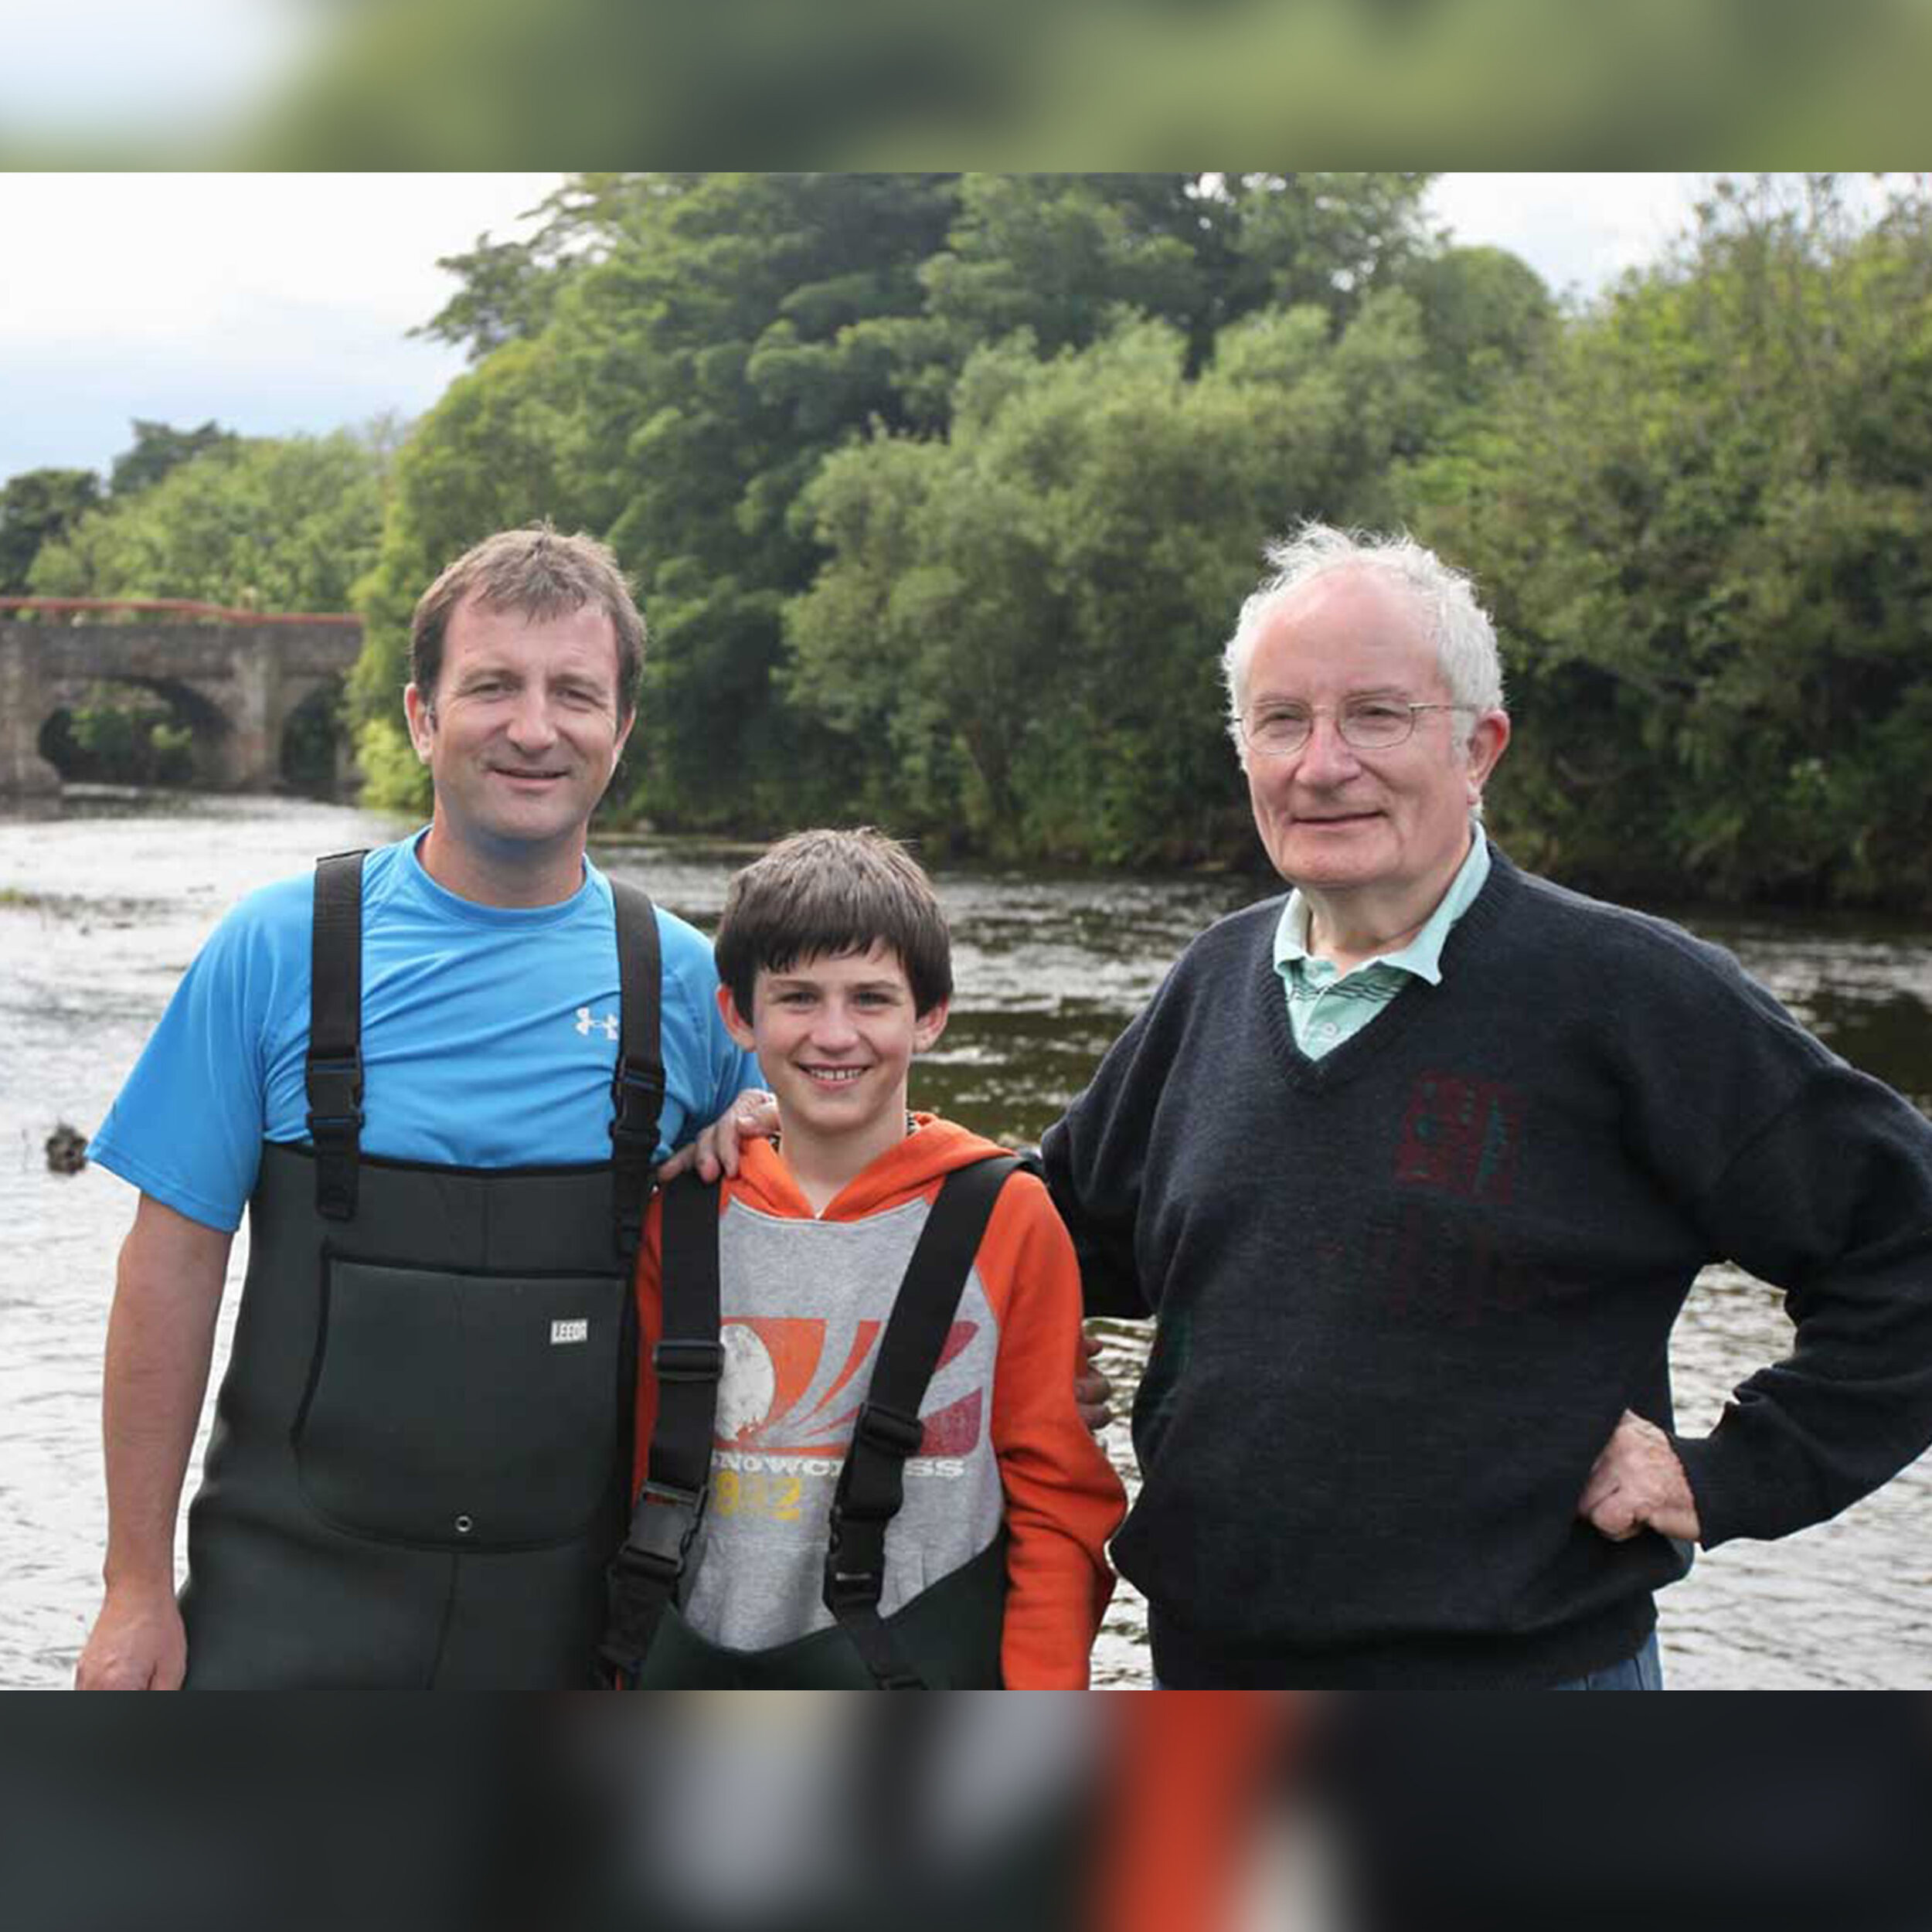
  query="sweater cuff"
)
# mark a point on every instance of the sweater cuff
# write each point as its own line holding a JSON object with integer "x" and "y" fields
{"x": 1723, "y": 1507}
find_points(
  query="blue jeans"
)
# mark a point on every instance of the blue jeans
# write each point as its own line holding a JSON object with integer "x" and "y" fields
{"x": 1644, "y": 1671}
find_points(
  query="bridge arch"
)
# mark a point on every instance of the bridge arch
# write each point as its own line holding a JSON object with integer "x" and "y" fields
{"x": 202, "y": 763}
{"x": 238, "y": 679}
{"x": 315, "y": 755}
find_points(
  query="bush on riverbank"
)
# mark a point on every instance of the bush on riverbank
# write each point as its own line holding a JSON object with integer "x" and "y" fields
{"x": 941, "y": 492}
{"x": 1705, "y": 521}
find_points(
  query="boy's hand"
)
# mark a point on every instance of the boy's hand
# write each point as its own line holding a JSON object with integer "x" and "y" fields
{"x": 753, "y": 1116}
{"x": 1092, "y": 1393}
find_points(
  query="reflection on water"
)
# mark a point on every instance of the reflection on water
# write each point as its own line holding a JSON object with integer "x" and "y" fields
{"x": 105, "y": 898}
{"x": 1864, "y": 986}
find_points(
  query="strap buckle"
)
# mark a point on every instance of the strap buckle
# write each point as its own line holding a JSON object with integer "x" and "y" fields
{"x": 334, "y": 1088}
{"x": 664, "y": 1523}
{"x": 636, "y": 1094}
{"x": 855, "y": 1555}
{"x": 685, "y": 1358}
{"x": 643, "y": 1576}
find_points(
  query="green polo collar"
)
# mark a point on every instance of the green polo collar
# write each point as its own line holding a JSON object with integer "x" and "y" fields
{"x": 1422, "y": 955}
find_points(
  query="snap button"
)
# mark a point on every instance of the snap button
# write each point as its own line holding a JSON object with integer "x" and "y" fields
{"x": 463, "y": 1526}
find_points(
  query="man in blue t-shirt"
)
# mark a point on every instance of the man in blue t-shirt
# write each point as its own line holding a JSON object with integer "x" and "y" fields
{"x": 408, "y": 1479}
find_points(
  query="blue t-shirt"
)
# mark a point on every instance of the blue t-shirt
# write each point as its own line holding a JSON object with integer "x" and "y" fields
{"x": 489, "y": 1037}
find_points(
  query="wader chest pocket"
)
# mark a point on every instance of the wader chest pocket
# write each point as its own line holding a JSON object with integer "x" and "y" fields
{"x": 468, "y": 1411}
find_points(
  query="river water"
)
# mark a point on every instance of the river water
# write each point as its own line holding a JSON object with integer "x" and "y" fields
{"x": 104, "y": 899}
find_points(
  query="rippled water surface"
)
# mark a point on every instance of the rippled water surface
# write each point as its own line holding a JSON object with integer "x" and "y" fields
{"x": 104, "y": 903}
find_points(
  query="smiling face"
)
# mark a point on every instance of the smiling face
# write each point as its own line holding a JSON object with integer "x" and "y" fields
{"x": 521, "y": 736}
{"x": 1391, "y": 826}
{"x": 835, "y": 1035}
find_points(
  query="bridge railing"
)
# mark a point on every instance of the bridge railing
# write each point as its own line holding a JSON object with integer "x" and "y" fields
{"x": 170, "y": 607}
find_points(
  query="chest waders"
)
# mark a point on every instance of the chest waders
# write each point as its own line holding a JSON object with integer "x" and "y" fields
{"x": 946, "y": 1638}
{"x": 422, "y": 1446}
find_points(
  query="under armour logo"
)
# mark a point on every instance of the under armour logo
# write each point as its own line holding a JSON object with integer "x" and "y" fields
{"x": 585, "y": 1022}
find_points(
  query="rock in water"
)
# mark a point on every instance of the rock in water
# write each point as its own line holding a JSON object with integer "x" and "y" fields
{"x": 66, "y": 1150}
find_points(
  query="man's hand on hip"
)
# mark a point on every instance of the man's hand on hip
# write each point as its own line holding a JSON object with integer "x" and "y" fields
{"x": 1637, "y": 1483}
{"x": 137, "y": 1643}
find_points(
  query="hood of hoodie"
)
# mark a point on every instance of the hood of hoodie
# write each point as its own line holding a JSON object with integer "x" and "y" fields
{"x": 915, "y": 1165}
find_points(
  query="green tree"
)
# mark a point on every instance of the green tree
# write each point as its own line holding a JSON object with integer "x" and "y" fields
{"x": 711, "y": 364}
{"x": 1063, "y": 256}
{"x": 1704, "y": 518}
{"x": 671, "y": 359}
{"x": 159, "y": 447}
{"x": 267, "y": 524}
{"x": 37, "y": 508}
{"x": 1016, "y": 640}
{"x": 1331, "y": 239}
{"x": 508, "y": 290}
{"x": 1484, "y": 314}
{"x": 1067, "y": 257}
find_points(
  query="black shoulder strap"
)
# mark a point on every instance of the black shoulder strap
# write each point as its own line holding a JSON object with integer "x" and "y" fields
{"x": 333, "y": 1071}
{"x": 689, "y": 1360}
{"x": 889, "y": 1431}
{"x": 637, "y": 1087}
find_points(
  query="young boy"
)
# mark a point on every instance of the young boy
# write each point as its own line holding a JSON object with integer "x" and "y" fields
{"x": 766, "y": 1548}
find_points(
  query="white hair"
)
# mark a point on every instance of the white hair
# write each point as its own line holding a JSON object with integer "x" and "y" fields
{"x": 1458, "y": 626}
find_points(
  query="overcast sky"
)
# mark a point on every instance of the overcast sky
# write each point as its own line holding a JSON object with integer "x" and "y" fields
{"x": 274, "y": 302}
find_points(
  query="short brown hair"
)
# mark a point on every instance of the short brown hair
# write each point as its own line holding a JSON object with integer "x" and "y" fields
{"x": 536, "y": 572}
{"x": 832, "y": 893}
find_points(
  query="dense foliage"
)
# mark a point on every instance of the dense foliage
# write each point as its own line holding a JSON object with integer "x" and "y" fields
{"x": 941, "y": 492}
{"x": 676, "y": 357}
{"x": 1704, "y": 521}
{"x": 38, "y": 508}
{"x": 159, "y": 447}
{"x": 261, "y": 523}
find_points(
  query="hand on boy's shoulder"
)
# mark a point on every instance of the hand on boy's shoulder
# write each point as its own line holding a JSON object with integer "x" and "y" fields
{"x": 753, "y": 1116}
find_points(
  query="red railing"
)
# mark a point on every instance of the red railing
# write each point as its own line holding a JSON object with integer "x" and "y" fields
{"x": 173, "y": 607}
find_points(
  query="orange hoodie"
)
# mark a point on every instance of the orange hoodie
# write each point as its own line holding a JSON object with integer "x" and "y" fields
{"x": 804, "y": 1299}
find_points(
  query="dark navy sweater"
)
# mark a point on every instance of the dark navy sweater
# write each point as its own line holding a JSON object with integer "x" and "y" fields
{"x": 1404, "y": 1292}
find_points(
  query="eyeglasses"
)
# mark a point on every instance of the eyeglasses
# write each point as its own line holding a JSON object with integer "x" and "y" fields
{"x": 1367, "y": 724}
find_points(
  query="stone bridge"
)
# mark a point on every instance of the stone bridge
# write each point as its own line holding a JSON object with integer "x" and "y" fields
{"x": 236, "y": 678}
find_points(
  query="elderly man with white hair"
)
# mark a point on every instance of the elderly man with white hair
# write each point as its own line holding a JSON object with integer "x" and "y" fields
{"x": 1414, "y": 1168}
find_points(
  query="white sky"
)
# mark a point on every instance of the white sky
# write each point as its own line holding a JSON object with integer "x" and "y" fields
{"x": 272, "y": 303}
{"x": 1579, "y": 232}
{"x": 277, "y": 302}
